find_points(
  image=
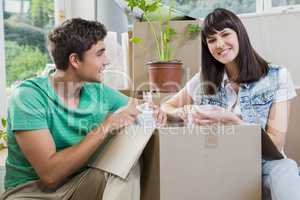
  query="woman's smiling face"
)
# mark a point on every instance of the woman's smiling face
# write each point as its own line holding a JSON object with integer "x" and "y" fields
{"x": 224, "y": 45}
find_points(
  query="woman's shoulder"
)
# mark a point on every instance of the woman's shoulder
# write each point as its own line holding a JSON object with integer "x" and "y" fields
{"x": 275, "y": 76}
{"x": 194, "y": 86}
{"x": 278, "y": 69}
{"x": 195, "y": 81}
{"x": 284, "y": 83}
{"x": 274, "y": 67}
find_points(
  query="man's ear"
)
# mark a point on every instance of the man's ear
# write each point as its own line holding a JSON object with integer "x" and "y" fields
{"x": 74, "y": 60}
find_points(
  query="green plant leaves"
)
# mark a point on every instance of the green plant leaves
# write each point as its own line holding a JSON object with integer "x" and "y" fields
{"x": 193, "y": 28}
{"x": 23, "y": 61}
{"x": 136, "y": 40}
{"x": 3, "y": 122}
{"x": 155, "y": 11}
{"x": 169, "y": 32}
{"x": 3, "y": 133}
{"x": 131, "y": 4}
{"x": 2, "y": 146}
{"x": 153, "y": 7}
{"x": 145, "y": 5}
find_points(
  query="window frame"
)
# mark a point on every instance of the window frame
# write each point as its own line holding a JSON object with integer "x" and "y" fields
{"x": 269, "y": 8}
{"x": 2, "y": 63}
{"x": 265, "y": 7}
{"x": 259, "y": 6}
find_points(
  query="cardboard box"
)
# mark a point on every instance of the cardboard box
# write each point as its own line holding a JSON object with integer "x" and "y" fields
{"x": 223, "y": 162}
{"x": 210, "y": 163}
{"x": 292, "y": 147}
{"x": 195, "y": 162}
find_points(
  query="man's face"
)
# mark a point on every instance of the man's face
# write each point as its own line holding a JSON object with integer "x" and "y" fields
{"x": 93, "y": 63}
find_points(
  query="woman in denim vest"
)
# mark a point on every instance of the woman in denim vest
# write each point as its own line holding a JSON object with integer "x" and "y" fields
{"x": 236, "y": 85}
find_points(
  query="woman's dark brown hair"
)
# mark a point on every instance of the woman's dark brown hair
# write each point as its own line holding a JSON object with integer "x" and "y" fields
{"x": 251, "y": 66}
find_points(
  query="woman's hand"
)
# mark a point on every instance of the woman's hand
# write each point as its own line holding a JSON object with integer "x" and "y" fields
{"x": 159, "y": 115}
{"x": 184, "y": 112}
{"x": 215, "y": 114}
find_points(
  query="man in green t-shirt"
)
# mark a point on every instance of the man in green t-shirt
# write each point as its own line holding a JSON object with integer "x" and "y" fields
{"x": 57, "y": 121}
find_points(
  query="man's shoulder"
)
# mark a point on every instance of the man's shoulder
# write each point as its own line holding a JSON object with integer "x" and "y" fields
{"x": 99, "y": 87}
{"x": 104, "y": 93}
{"x": 36, "y": 83}
{"x": 29, "y": 89}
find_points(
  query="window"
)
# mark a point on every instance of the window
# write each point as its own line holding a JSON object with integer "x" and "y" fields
{"x": 281, "y": 5}
{"x": 277, "y": 3}
{"x": 26, "y": 23}
{"x": 200, "y": 8}
{"x": 2, "y": 69}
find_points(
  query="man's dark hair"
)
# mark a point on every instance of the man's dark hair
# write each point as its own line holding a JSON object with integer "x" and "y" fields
{"x": 251, "y": 66}
{"x": 74, "y": 36}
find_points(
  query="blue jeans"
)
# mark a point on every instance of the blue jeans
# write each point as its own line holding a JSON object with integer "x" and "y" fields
{"x": 280, "y": 180}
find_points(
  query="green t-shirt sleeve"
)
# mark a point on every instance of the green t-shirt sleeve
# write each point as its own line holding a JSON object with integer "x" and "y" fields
{"x": 27, "y": 110}
{"x": 115, "y": 98}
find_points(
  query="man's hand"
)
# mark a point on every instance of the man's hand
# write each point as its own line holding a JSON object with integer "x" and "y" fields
{"x": 121, "y": 118}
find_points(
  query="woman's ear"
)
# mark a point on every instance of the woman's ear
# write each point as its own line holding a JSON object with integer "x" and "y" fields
{"x": 74, "y": 60}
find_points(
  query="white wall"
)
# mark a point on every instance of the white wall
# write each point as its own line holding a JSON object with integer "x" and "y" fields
{"x": 112, "y": 16}
{"x": 277, "y": 38}
{"x": 84, "y": 9}
{"x": 2, "y": 68}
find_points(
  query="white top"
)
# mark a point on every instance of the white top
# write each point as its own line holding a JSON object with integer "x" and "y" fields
{"x": 285, "y": 92}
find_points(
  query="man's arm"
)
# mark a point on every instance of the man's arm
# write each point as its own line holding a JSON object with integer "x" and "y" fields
{"x": 53, "y": 167}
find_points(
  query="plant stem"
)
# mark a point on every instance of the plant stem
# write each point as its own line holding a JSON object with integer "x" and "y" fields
{"x": 161, "y": 55}
{"x": 169, "y": 28}
{"x": 154, "y": 33}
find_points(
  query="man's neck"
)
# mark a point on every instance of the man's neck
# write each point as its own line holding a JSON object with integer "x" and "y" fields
{"x": 67, "y": 86}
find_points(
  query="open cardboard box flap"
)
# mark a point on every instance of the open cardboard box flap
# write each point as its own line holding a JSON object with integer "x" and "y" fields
{"x": 122, "y": 151}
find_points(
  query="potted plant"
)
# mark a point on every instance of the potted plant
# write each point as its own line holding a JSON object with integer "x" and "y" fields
{"x": 3, "y": 134}
{"x": 165, "y": 73}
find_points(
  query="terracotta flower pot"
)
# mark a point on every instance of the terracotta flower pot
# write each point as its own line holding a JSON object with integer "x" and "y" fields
{"x": 165, "y": 76}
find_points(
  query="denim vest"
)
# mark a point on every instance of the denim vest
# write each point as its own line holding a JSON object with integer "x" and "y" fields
{"x": 255, "y": 98}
